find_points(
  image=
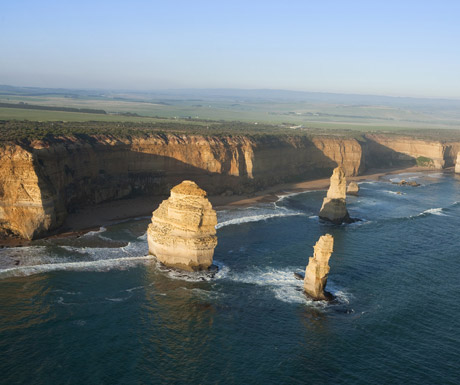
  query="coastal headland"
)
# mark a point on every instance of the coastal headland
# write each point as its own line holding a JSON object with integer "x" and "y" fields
{"x": 67, "y": 181}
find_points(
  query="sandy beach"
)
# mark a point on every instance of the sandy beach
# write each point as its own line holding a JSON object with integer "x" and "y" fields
{"x": 92, "y": 217}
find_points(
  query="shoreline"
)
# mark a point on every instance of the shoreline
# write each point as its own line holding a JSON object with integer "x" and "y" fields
{"x": 272, "y": 194}
{"x": 91, "y": 218}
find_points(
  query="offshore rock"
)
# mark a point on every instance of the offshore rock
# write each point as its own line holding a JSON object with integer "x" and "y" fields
{"x": 334, "y": 207}
{"x": 318, "y": 268}
{"x": 457, "y": 164}
{"x": 182, "y": 233}
{"x": 405, "y": 183}
{"x": 353, "y": 189}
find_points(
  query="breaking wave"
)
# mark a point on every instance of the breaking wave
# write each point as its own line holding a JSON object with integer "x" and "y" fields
{"x": 289, "y": 195}
{"x": 434, "y": 211}
{"x": 102, "y": 229}
{"x": 256, "y": 218}
{"x": 394, "y": 192}
{"x": 283, "y": 285}
{"x": 98, "y": 265}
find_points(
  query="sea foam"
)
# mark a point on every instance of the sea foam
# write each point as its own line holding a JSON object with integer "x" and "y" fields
{"x": 98, "y": 265}
{"x": 283, "y": 285}
{"x": 256, "y": 218}
{"x": 433, "y": 211}
{"x": 102, "y": 229}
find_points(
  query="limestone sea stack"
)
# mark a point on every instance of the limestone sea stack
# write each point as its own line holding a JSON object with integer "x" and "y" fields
{"x": 318, "y": 269}
{"x": 334, "y": 207}
{"x": 182, "y": 233}
{"x": 457, "y": 164}
{"x": 353, "y": 189}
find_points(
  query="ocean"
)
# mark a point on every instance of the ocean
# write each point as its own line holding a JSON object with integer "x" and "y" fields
{"x": 99, "y": 310}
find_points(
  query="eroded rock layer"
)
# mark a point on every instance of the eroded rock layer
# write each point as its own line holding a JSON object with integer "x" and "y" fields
{"x": 334, "y": 208}
{"x": 457, "y": 164}
{"x": 318, "y": 268}
{"x": 182, "y": 233}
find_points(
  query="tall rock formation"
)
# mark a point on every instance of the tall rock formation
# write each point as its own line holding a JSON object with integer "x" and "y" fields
{"x": 318, "y": 269}
{"x": 353, "y": 189}
{"x": 334, "y": 207}
{"x": 182, "y": 233}
{"x": 457, "y": 164}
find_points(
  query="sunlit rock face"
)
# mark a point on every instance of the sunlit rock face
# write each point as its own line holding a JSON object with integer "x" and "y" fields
{"x": 353, "y": 189}
{"x": 457, "y": 164}
{"x": 182, "y": 233}
{"x": 334, "y": 207}
{"x": 318, "y": 268}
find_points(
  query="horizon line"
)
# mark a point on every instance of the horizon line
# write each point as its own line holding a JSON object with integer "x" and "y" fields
{"x": 139, "y": 91}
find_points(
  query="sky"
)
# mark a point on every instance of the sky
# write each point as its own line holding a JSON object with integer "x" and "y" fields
{"x": 398, "y": 48}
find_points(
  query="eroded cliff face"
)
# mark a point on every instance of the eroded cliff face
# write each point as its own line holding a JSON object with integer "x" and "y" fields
{"x": 347, "y": 153}
{"x": 41, "y": 182}
{"x": 27, "y": 206}
{"x": 406, "y": 149}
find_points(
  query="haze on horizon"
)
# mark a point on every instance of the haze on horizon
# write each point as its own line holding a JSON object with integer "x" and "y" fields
{"x": 392, "y": 48}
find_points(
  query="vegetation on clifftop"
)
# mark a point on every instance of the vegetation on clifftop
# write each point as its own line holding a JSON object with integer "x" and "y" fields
{"x": 25, "y": 131}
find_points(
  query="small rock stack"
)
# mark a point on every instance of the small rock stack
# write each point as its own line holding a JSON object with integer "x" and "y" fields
{"x": 353, "y": 189}
{"x": 334, "y": 207}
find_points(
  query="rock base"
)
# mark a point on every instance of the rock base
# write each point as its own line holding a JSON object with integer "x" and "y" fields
{"x": 335, "y": 211}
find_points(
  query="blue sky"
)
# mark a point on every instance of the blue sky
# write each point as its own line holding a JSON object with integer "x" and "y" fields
{"x": 404, "y": 48}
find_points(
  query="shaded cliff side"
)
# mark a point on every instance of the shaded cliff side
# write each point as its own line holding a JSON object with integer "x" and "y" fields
{"x": 42, "y": 181}
{"x": 397, "y": 149}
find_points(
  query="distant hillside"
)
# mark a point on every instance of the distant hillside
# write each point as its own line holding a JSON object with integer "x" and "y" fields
{"x": 51, "y": 108}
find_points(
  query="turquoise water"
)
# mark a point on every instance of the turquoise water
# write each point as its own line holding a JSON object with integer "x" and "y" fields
{"x": 98, "y": 310}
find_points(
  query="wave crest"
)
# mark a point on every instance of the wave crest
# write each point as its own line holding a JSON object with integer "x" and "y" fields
{"x": 256, "y": 218}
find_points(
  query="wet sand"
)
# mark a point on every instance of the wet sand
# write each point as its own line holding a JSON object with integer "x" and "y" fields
{"x": 93, "y": 217}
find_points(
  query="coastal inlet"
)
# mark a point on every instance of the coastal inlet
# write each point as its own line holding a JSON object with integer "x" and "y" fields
{"x": 99, "y": 310}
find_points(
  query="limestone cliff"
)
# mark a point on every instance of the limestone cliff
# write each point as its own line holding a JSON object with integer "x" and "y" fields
{"x": 345, "y": 152}
{"x": 403, "y": 148}
{"x": 182, "y": 233}
{"x": 334, "y": 207}
{"x": 457, "y": 164}
{"x": 42, "y": 181}
{"x": 353, "y": 188}
{"x": 318, "y": 268}
{"x": 27, "y": 205}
